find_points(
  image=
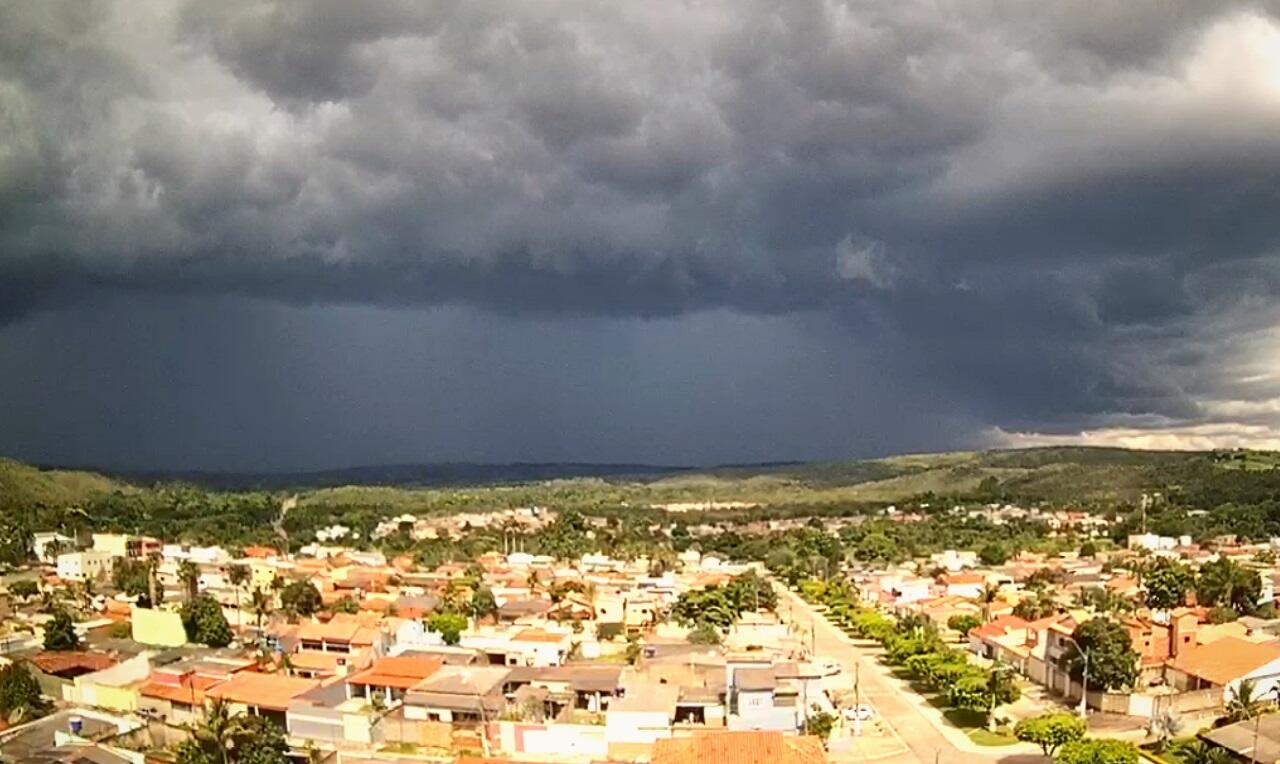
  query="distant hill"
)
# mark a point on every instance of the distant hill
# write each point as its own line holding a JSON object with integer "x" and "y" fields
{"x": 24, "y": 485}
{"x": 1053, "y": 474}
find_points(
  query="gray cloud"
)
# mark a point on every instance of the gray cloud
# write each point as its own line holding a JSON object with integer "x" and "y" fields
{"x": 1065, "y": 215}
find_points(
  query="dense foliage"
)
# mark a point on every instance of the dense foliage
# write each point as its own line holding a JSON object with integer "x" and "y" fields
{"x": 20, "y": 693}
{"x": 1097, "y": 751}
{"x": 300, "y": 598}
{"x": 1050, "y": 731}
{"x": 60, "y": 633}
{"x": 1106, "y": 648}
{"x": 722, "y": 606}
{"x": 226, "y": 738}
{"x": 205, "y": 623}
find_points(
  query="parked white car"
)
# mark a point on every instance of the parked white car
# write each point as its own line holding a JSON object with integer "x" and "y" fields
{"x": 861, "y": 713}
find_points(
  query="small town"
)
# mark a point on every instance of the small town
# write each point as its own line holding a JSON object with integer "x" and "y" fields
{"x": 123, "y": 648}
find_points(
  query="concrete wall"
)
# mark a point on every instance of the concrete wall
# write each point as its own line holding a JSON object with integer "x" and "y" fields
{"x": 554, "y": 739}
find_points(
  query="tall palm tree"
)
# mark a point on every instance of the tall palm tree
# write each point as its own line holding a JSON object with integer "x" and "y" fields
{"x": 189, "y": 575}
{"x": 989, "y": 594}
{"x": 237, "y": 575}
{"x": 260, "y": 604}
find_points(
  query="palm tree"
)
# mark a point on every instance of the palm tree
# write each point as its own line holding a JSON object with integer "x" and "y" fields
{"x": 260, "y": 604}
{"x": 989, "y": 594}
{"x": 218, "y": 729}
{"x": 189, "y": 575}
{"x": 153, "y": 565}
{"x": 1243, "y": 702}
{"x": 1199, "y": 752}
{"x": 238, "y": 575}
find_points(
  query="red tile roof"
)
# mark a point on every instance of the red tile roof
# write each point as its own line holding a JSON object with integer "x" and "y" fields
{"x": 58, "y": 662}
{"x": 998, "y": 627}
{"x": 270, "y": 691}
{"x": 401, "y": 672}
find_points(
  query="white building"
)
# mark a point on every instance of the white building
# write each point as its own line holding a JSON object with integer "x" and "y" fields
{"x": 200, "y": 555}
{"x": 41, "y": 541}
{"x": 83, "y": 566}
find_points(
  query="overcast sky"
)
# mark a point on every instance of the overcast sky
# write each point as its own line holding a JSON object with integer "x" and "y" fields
{"x": 260, "y": 236}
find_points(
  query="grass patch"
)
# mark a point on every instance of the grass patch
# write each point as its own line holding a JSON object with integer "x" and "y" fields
{"x": 983, "y": 736}
{"x": 964, "y": 718}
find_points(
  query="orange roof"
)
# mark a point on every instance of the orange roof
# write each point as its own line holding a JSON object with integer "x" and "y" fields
{"x": 538, "y": 635}
{"x": 58, "y": 662}
{"x": 270, "y": 691}
{"x": 751, "y": 747}
{"x": 116, "y": 607}
{"x": 340, "y": 629}
{"x": 999, "y": 627}
{"x": 188, "y": 691}
{"x": 1225, "y": 660}
{"x": 260, "y": 551}
{"x": 401, "y": 672}
{"x": 964, "y": 578}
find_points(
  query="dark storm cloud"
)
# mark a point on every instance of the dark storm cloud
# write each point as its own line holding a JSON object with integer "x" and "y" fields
{"x": 1043, "y": 208}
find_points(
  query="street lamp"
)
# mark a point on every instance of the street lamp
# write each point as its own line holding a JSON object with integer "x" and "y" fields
{"x": 1084, "y": 682}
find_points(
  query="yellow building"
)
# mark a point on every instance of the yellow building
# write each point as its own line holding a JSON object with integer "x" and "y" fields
{"x": 162, "y": 628}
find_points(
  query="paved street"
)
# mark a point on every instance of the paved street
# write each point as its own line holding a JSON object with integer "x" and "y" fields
{"x": 897, "y": 708}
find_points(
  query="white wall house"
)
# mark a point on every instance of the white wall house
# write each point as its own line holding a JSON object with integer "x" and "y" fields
{"x": 82, "y": 566}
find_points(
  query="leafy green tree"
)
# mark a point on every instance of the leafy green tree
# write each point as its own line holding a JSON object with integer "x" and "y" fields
{"x": 1226, "y": 583}
{"x": 20, "y": 697}
{"x": 483, "y": 604}
{"x": 1035, "y": 608}
{"x": 15, "y": 541}
{"x": 300, "y": 598}
{"x": 1167, "y": 585}
{"x": 985, "y": 691}
{"x": 133, "y": 577}
{"x": 60, "y": 633}
{"x": 819, "y": 724}
{"x": 1050, "y": 731}
{"x": 1088, "y": 550}
{"x": 704, "y": 634}
{"x": 205, "y": 622}
{"x": 877, "y": 547}
{"x": 964, "y": 622}
{"x": 346, "y": 604}
{"x": 1218, "y": 615}
{"x": 1097, "y": 751}
{"x": 24, "y": 588}
{"x": 1113, "y": 664}
{"x": 449, "y": 626}
{"x": 993, "y": 553}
